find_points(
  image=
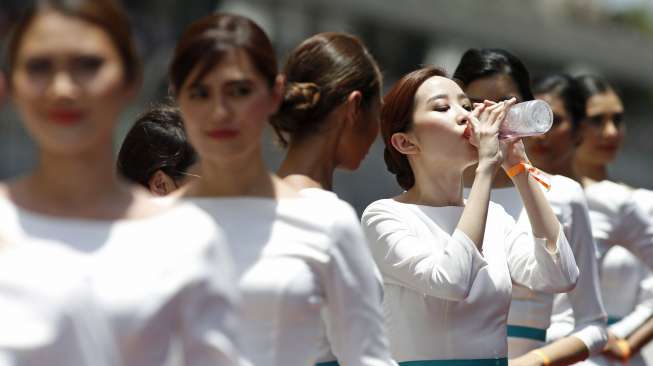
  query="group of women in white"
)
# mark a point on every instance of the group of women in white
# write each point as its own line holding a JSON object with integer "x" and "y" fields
{"x": 475, "y": 263}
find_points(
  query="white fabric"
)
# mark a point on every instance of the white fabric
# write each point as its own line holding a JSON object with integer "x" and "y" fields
{"x": 48, "y": 316}
{"x": 158, "y": 279}
{"x": 627, "y": 287}
{"x": 443, "y": 299}
{"x": 620, "y": 216}
{"x": 583, "y": 303}
{"x": 295, "y": 258}
{"x": 325, "y": 354}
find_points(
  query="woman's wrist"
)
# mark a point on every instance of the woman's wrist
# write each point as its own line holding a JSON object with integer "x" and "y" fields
{"x": 487, "y": 167}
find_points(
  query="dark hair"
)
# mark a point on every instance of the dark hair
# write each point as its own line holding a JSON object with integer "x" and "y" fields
{"x": 107, "y": 14}
{"x": 206, "y": 41}
{"x": 397, "y": 116}
{"x": 566, "y": 88}
{"x": 590, "y": 85}
{"x": 480, "y": 63}
{"x": 320, "y": 73}
{"x": 156, "y": 141}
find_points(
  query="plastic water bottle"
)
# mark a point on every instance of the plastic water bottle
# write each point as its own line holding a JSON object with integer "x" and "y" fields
{"x": 531, "y": 118}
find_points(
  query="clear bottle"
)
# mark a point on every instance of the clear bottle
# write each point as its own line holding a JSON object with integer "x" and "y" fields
{"x": 530, "y": 118}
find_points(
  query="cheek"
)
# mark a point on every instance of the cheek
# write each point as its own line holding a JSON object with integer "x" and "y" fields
{"x": 109, "y": 83}
{"x": 253, "y": 113}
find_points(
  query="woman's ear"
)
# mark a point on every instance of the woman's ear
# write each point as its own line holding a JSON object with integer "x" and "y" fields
{"x": 353, "y": 109}
{"x": 278, "y": 91}
{"x": 403, "y": 143}
{"x": 160, "y": 184}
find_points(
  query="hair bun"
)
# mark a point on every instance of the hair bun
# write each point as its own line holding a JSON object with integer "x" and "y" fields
{"x": 301, "y": 96}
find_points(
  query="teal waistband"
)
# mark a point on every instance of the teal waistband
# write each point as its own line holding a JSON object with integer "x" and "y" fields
{"x": 517, "y": 331}
{"x": 478, "y": 362}
{"x": 614, "y": 319}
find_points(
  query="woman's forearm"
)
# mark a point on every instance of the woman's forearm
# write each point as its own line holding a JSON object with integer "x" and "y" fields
{"x": 474, "y": 216}
{"x": 641, "y": 336}
{"x": 543, "y": 221}
{"x": 565, "y": 351}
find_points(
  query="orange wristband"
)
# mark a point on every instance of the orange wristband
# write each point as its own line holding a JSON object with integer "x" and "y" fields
{"x": 516, "y": 169}
{"x": 624, "y": 347}
{"x": 546, "y": 361}
{"x": 539, "y": 176}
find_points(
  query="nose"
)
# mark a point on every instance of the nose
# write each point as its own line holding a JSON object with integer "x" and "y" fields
{"x": 463, "y": 116}
{"x": 222, "y": 110}
{"x": 63, "y": 86}
{"x": 610, "y": 129}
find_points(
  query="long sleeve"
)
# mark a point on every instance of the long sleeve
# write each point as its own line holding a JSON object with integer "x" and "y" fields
{"x": 635, "y": 230}
{"x": 532, "y": 265}
{"x": 585, "y": 299}
{"x": 354, "y": 316}
{"x": 208, "y": 312}
{"x": 445, "y": 270}
{"x": 643, "y": 310}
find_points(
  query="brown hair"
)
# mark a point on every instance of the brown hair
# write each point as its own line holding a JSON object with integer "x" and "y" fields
{"x": 397, "y": 116}
{"x": 107, "y": 14}
{"x": 207, "y": 40}
{"x": 321, "y": 73}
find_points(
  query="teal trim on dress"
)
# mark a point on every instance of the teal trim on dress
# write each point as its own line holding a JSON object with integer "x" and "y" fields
{"x": 614, "y": 319}
{"x": 517, "y": 331}
{"x": 477, "y": 362}
{"x": 329, "y": 363}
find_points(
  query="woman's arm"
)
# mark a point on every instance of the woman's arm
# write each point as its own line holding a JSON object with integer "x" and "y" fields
{"x": 565, "y": 351}
{"x": 585, "y": 299}
{"x": 353, "y": 297}
{"x": 445, "y": 270}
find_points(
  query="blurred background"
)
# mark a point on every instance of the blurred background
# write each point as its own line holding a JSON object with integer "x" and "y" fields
{"x": 610, "y": 37}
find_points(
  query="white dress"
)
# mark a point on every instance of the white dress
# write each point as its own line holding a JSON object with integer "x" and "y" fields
{"x": 444, "y": 300}
{"x": 48, "y": 315}
{"x": 626, "y": 281}
{"x": 158, "y": 280}
{"x": 296, "y": 258}
{"x": 531, "y": 311}
{"x": 621, "y": 215}
{"x": 326, "y": 357}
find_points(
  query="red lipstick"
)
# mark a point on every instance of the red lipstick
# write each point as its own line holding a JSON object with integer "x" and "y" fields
{"x": 65, "y": 117}
{"x": 467, "y": 133}
{"x": 220, "y": 134}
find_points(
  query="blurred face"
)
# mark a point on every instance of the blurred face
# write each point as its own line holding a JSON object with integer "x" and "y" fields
{"x": 554, "y": 150}
{"x": 496, "y": 88}
{"x": 227, "y": 110}
{"x": 440, "y": 119}
{"x": 68, "y": 83}
{"x": 358, "y": 140}
{"x": 603, "y": 130}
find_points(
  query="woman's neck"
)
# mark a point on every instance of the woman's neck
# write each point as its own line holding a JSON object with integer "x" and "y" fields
{"x": 311, "y": 162}
{"x": 242, "y": 176}
{"x": 588, "y": 173}
{"x": 83, "y": 185}
{"x": 501, "y": 180}
{"x": 435, "y": 187}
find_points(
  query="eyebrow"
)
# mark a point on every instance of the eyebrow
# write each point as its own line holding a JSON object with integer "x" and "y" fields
{"x": 445, "y": 96}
